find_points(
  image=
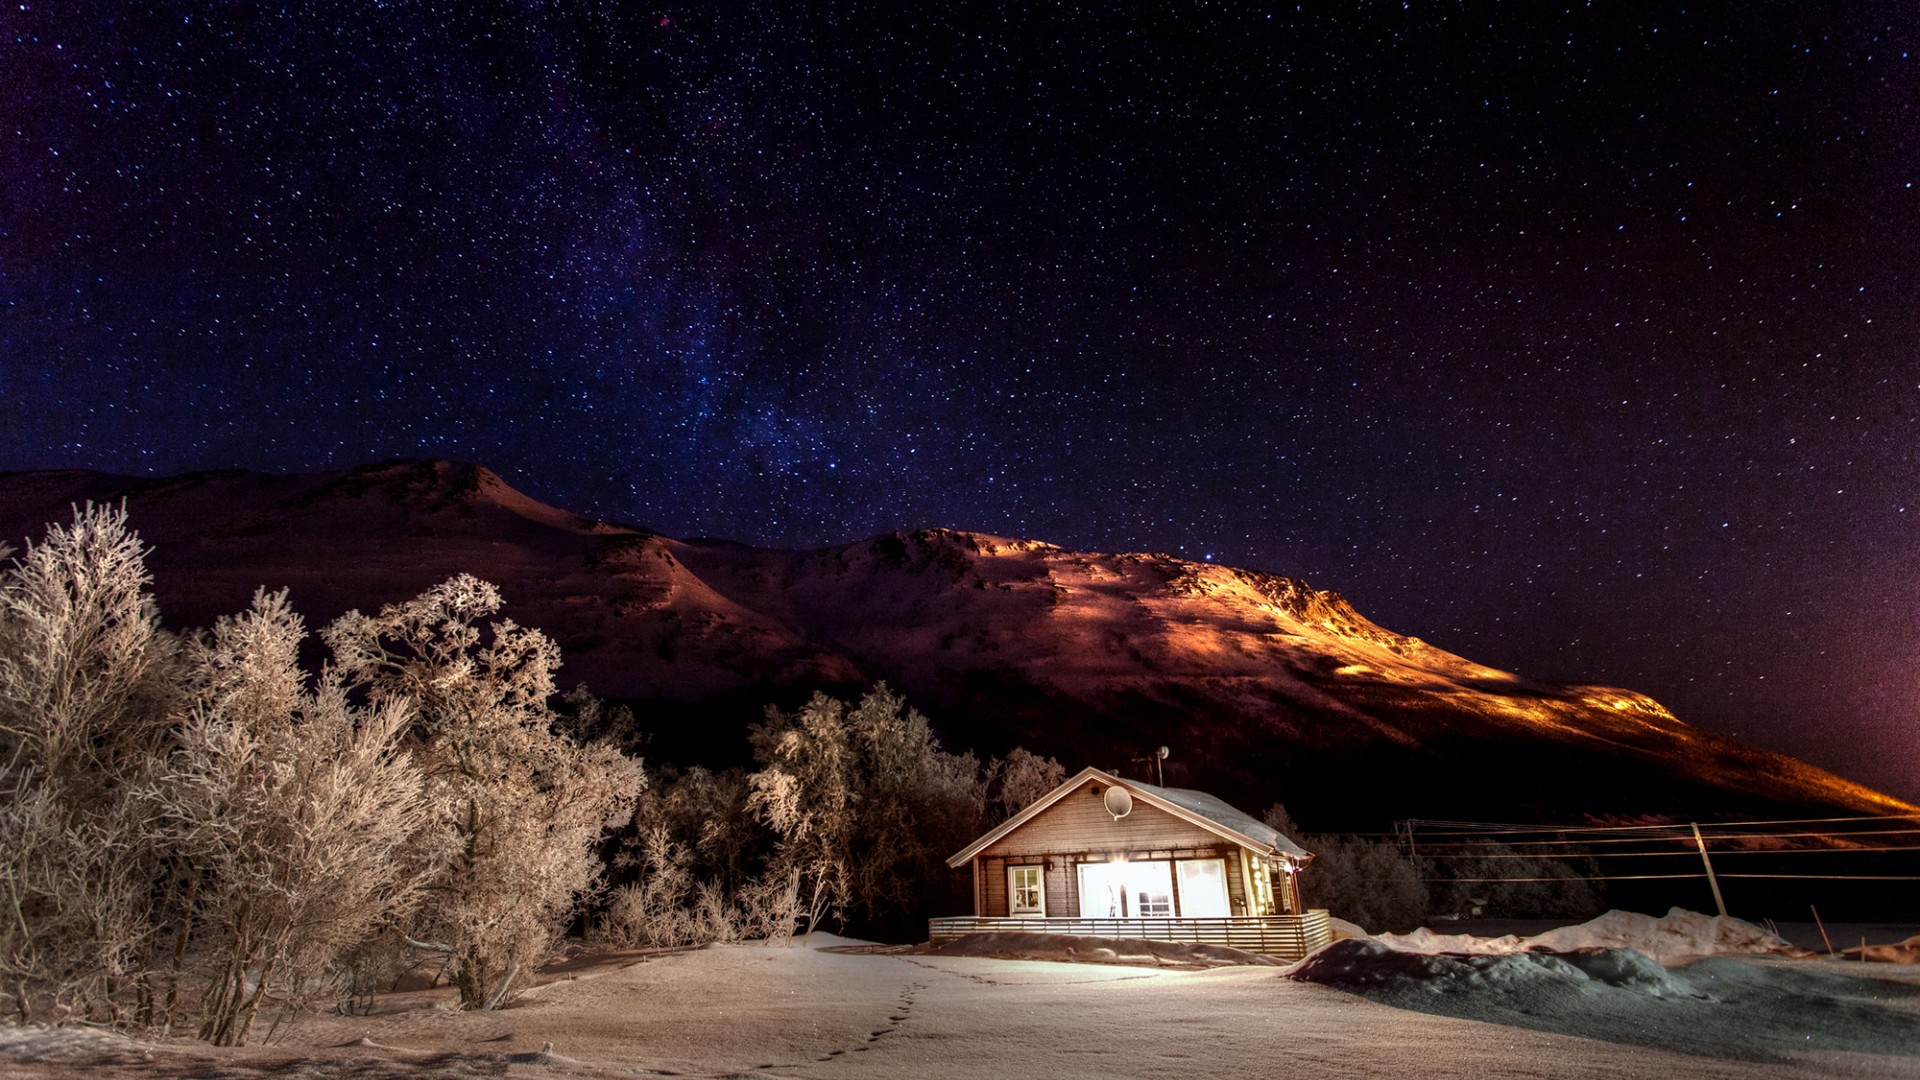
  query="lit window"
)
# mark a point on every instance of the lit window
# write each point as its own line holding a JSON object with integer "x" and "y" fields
{"x": 1153, "y": 903}
{"x": 1203, "y": 888}
{"x": 1025, "y": 894}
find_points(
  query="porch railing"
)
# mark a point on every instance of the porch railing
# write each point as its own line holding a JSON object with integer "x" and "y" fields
{"x": 1288, "y": 937}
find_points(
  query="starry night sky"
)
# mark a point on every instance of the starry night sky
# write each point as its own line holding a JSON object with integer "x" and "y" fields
{"x": 1579, "y": 339}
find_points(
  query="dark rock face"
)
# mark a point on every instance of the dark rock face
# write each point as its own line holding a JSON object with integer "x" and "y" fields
{"x": 1266, "y": 688}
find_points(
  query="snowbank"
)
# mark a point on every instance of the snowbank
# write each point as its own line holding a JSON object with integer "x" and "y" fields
{"x": 1718, "y": 1007}
{"x": 1372, "y": 966}
{"x": 35, "y": 1045}
{"x": 1685, "y": 982}
{"x": 1678, "y": 937}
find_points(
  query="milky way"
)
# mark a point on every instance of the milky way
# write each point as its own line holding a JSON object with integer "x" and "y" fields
{"x": 1577, "y": 339}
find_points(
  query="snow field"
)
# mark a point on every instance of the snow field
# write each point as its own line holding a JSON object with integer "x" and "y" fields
{"x": 814, "y": 1010}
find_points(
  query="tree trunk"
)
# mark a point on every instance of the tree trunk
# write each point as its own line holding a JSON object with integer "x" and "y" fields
{"x": 500, "y": 991}
{"x": 180, "y": 941}
{"x": 252, "y": 1005}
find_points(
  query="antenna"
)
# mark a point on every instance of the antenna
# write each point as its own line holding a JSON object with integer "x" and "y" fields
{"x": 1159, "y": 770}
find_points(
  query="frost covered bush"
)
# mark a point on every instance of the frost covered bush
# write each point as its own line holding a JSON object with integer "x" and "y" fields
{"x": 658, "y": 910}
{"x": 769, "y": 907}
{"x": 1363, "y": 881}
{"x": 85, "y": 689}
{"x": 517, "y": 807}
{"x": 851, "y": 814}
{"x": 688, "y": 872}
{"x": 865, "y": 804}
{"x": 1371, "y": 882}
{"x": 293, "y": 814}
{"x": 194, "y": 828}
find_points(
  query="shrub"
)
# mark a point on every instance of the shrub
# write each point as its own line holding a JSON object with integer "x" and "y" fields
{"x": 1364, "y": 882}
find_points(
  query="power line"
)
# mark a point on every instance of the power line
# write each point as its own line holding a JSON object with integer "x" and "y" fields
{"x": 1829, "y": 877}
{"x": 1547, "y": 855}
{"x": 1681, "y": 835}
{"x": 1580, "y": 847}
{"x": 1596, "y": 877}
{"x": 1678, "y": 877}
{"x": 1485, "y": 828}
{"x": 1817, "y": 850}
{"x": 1550, "y": 856}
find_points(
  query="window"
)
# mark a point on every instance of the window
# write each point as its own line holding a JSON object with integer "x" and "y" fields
{"x": 1126, "y": 890}
{"x": 1154, "y": 900}
{"x": 1026, "y": 895}
{"x": 1203, "y": 888}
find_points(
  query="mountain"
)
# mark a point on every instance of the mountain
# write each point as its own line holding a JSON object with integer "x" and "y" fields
{"x": 1265, "y": 688}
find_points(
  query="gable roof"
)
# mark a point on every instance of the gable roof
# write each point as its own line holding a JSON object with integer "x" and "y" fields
{"x": 1194, "y": 807}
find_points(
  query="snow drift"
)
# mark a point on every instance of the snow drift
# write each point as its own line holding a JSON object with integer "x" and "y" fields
{"x": 1674, "y": 938}
{"x": 1686, "y": 981}
{"x": 1365, "y": 965}
{"x": 1619, "y": 951}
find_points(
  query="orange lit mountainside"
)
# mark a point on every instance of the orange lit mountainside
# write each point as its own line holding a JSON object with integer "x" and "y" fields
{"x": 1265, "y": 688}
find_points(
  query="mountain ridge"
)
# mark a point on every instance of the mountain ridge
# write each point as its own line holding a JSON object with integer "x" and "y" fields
{"x": 1269, "y": 689}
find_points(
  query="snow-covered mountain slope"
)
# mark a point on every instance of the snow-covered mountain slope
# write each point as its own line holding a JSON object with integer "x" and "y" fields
{"x": 1266, "y": 688}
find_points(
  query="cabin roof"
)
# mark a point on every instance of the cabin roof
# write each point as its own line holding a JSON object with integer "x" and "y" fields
{"x": 1218, "y": 812}
{"x": 1195, "y": 807}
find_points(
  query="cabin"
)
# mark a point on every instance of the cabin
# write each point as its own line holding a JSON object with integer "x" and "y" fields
{"x": 1105, "y": 856}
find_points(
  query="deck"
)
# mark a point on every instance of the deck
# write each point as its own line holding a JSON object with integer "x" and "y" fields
{"x": 1288, "y": 937}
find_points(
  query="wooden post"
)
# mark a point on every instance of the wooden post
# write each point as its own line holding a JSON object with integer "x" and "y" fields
{"x": 1711, "y": 880}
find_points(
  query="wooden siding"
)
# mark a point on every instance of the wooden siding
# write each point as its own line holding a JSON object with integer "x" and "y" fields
{"x": 1288, "y": 937}
{"x": 1078, "y": 829}
{"x": 1079, "y": 823}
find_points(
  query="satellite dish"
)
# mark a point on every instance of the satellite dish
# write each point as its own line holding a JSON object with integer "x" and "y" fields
{"x": 1119, "y": 802}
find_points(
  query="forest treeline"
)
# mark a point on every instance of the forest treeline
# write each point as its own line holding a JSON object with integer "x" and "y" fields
{"x": 195, "y": 826}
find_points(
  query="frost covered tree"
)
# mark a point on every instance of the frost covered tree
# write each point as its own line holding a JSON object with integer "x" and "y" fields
{"x": 805, "y": 794}
{"x": 1363, "y": 881}
{"x": 1022, "y": 779}
{"x": 698, "y": 866}
{"x": 1357, "y": 879}
{"x": 84, "y": 696}
{"x": 864, "y": 801}
{"x": 198, "y": 827}
{"x": 518, "y": 806}
{"x": 1279, "y": 820}
{"x": 294, "y": 813}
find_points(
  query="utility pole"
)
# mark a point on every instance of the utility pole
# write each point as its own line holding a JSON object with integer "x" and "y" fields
{"x": 1711, "y": 880}
{"x": 1403, "y": 838}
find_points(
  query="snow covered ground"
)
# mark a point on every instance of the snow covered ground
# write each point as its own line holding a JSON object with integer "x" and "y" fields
{"x": 1685, "y": 982}
{"x": 829, "y": 1008}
